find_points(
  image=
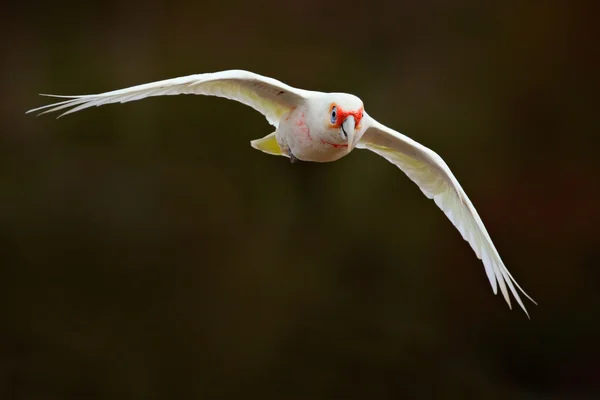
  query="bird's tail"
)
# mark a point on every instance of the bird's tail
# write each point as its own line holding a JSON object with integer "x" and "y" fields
{"x": 269, "y": 145}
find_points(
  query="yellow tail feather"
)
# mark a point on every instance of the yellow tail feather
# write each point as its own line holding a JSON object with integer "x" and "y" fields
{"x": 268, "y": 144}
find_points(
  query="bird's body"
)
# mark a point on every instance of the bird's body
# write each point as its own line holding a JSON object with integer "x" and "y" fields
{"x": 301, "y": 133}
{"x": 323, "y": 127}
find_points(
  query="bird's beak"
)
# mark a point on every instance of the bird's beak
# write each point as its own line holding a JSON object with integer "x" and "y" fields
{"x": 348, "y": 127}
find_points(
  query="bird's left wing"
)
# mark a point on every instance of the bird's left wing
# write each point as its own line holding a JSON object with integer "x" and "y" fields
{"x": 427, "y": 169}
{"x": 269, "y": 96}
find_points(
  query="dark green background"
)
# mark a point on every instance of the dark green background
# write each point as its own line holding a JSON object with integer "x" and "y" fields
{"x": 148, "y": 252}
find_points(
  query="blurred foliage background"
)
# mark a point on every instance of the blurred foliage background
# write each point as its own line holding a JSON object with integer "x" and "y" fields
{"x": 148, "y": 252}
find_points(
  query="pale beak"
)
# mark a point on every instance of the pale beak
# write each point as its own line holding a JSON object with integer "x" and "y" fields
{"x": 348, "y": 130}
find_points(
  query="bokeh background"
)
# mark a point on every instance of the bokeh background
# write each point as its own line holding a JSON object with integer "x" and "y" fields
{"x": 148, "y": 252}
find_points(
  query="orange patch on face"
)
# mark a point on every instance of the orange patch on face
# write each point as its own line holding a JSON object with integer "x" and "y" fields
{"x": 342, "y": 114}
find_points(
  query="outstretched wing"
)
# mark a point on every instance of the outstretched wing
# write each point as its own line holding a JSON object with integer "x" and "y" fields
{"x": 427, "y": 169}
{"x": 269, "y": 96}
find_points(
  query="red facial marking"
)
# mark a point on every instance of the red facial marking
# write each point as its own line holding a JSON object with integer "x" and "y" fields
{"x": 343, "y": 114}
{"x": 337, "y": 146}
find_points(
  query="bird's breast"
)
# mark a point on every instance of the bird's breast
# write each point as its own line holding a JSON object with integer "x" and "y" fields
{"x": 306, "y": 141}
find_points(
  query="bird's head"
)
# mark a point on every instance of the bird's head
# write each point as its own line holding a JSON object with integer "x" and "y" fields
{"x": 341, "y": 115}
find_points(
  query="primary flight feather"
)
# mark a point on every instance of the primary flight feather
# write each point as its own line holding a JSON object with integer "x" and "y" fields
{"x": 322, "y": 127}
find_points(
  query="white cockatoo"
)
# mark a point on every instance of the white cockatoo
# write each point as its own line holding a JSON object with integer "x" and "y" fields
{"x": 321, "y": 127}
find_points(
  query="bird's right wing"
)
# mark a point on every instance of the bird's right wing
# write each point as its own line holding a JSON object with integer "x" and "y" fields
{"x": 269, "y": 96}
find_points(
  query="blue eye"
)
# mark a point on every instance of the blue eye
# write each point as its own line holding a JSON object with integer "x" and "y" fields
{"x": 333, "y": 115}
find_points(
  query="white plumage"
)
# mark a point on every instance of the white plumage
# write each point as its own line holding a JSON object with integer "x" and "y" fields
{"x": 317, "y": 126}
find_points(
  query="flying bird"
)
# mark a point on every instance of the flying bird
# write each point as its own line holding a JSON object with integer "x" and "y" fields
{"x": 322, "y": 127}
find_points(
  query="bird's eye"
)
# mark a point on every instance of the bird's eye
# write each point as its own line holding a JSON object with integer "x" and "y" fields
{"x": 333, "y": 118}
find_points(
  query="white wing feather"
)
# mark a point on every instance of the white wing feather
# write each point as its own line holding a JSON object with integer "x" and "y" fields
{"x": 427, "y": 169}
{"x": 269, "y": 96}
